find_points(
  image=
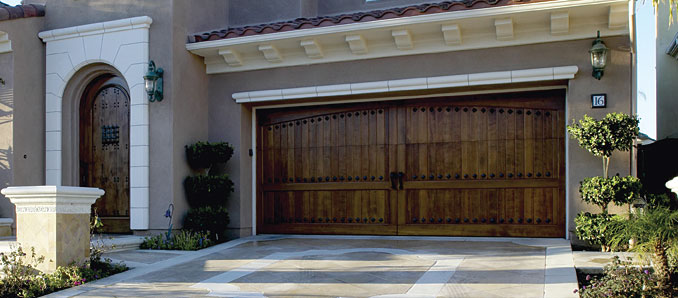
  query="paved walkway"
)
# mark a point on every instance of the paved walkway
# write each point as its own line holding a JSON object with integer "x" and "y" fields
{"x": 346, "y": 266}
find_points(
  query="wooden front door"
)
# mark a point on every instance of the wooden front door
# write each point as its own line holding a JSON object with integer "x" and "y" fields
{"x": 488, "y": 165}
{"x": 104, "y": 150}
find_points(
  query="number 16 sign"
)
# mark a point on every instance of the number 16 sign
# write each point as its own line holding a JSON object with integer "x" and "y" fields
{"x": 598, "y": 100}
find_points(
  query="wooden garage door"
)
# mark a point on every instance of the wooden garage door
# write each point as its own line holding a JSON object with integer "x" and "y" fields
{"x": 482, "y": 165}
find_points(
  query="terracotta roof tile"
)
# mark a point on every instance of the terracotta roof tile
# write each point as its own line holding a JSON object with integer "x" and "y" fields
{"x": 306, "y": 23}
{"x": 21, "y": 11}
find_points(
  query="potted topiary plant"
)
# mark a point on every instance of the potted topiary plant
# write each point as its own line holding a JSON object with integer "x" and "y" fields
{"x": 601, "y": 138}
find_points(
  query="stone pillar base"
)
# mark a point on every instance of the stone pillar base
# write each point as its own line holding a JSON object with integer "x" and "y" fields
{"x": 55, "y": 221}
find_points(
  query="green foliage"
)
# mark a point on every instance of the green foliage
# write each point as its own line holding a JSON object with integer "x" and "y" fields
{"x": 203, "y": 155}
{"x": 212, "y": 219}
{"x": 596, "y": 228}
{"x": 21, "y": 279}
{"x": 185, "y": 240}
{"x": 602, "y": 137}
{"x": 621, "y": 280}
{"x": 655, "y": 232}
{"x": 601, "y": 191}
{"x": 205, "y": 190}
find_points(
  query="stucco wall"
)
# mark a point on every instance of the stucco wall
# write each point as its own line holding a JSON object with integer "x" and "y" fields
{"x": 667, "y": 76}
{"x": 22, "y": 108}
{"x": 181, "y": 117}
{"x": 231, "y": 121}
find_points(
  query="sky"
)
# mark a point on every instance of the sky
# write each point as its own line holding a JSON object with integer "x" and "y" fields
{"x": 646, "y": 47}
{"x": 11, "y": 2}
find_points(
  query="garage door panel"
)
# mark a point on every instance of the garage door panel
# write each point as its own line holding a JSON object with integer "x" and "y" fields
{"x": 474, "y": 165}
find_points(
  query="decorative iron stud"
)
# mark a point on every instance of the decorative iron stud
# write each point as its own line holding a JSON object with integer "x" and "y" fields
{"x": 449, "y": 220}
{"x": 334, "y": 219}
{"x": 529, "y": 113}
{"x": 529, "y": 220}
{"x": 423, "y": 109}
{"x": 501, "y": 175}
{"x": 529, "y": 174}
{"x": 414, "y": 219}
{"x": 474, "y": 110}
{"x": 334, "y": 178}
{"x": 465, "y": 109}
{"x": 372, "y": 112}
{"x": 373, "y": 178}
{"x": 492, "y": 175}
{"x": 520, "y": 174}
{"x": 475, "y": 220}
{"x": 423, "y": 220}
{"x": 501, "y": 220}
{"x": 483, "y": 175}
{"x": 538, "y": 220}
{"x": 350, "y": 178}
{"x": 432, "y": 220}
{"x": 492, "y": 111}
{"x": 440, "y": 109}
{"x": 457, "y": 220}
{"x": 510, "y": 175}
{"x": 483, "y": 220}
{"x": 381, "y": 177}
{"x": 431, "y": 177}
{"x": 414, "y": 176}
{"x": 365, "y": 220}
{"x": 492, "y": 220}
{"x": 456, "y": 109}
{"x": 548, "y": 174}
{"x": 501, "y": 111}
{"x": 538, "y": 174}
{"x": 465, "y": 175}
{"x": 448, "y": 176}
{"x": 381, "y": 219}
{"x": 548, "y": 220}
{"x": 448, "y": 109}
{"x": 482, "y": 110}
{"x": 380, "y": 111}
{"x": 350, "y": 219}
{"x": 414, "y": 110}
{"x": 373, "y": 219}
{"x": 341, "y": 178}
{"x": 475, "y": 176}
{"x": 456, "y": 176}
{"x": 423, "y": 176}
{"x": 510, "y": 220}
{"x": 365, "y": 178}
{"x": 520, "y": 220}
{"x": 440, "y": 176}
{"x": 547, "y": 113}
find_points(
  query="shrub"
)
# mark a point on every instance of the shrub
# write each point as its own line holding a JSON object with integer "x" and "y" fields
{"x": 212, "y": 219}
{"x": 21, "y": 279}
{"x": 185, "y": 240}
{"x": 596, "y": 228}
{"x": 204, "y": 190}
{"x": 601, "y": 191}
{"x": 602, "y": 137}
{"x": 203, "y": 155}
{"x": 620, "y": 280}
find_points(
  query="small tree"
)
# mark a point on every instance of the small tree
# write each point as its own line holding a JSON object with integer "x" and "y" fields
{"x": 656, "y": 232}
{"x": 601, "y": 138}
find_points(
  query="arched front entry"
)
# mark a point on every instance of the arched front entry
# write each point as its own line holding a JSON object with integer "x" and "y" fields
{"x": 104, "y": 149}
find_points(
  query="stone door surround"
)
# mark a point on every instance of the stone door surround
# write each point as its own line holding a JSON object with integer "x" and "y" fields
{"x": 120, "y": 44}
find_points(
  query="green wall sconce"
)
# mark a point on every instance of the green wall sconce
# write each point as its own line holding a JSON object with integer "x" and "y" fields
{"x": 153, "y": 82}
{"x": 598, "y": 57}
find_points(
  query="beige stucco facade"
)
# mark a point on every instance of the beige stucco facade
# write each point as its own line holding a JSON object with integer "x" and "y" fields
{"x": 199, "y": 106}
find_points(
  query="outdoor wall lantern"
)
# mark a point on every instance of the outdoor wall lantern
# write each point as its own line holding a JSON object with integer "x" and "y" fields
{"x": 153, "y": 82}
{"x": 598, "y": 57}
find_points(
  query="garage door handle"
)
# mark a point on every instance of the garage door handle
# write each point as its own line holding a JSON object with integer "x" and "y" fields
{"x": 393, "y": 180}
{"x": 400, "y": 179}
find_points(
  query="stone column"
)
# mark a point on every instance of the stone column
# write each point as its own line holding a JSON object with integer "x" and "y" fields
{"x": 54, "y": 220}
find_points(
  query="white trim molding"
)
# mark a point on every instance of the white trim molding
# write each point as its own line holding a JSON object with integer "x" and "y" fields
{"x": 501, "y": 26}
{"x": 459, "y": 80}
{"x": 5, "y": 43}
{"x": 53, "y": 199}
{"x": 122, "y": 44}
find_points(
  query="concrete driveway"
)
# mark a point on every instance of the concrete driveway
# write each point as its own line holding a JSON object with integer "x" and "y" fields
{"x": 346, "y": 266}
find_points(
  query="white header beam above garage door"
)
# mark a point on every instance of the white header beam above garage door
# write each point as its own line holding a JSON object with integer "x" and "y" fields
{"x": 503, "y": 26}
{"x": 463, "y": 80}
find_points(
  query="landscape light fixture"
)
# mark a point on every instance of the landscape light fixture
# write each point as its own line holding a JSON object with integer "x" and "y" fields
{"x": 598, "y": 57}
{"x": 153, "y": 82}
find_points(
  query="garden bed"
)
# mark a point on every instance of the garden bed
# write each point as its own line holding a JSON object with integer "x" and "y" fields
{"x": 22, "y": 279}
